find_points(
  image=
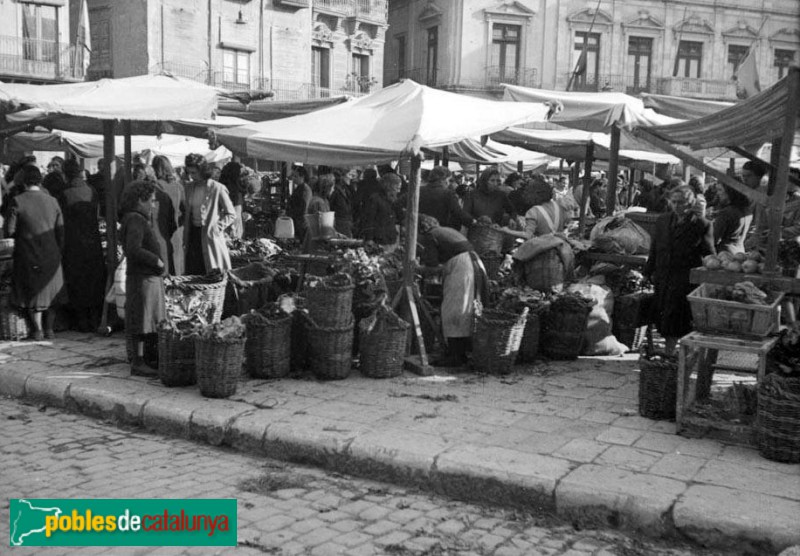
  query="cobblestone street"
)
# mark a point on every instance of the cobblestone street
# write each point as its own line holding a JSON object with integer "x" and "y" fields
{"x": 283, "y": 509}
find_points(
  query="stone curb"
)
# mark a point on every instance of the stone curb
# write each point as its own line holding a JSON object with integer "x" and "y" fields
{"x": 585, "y": 493}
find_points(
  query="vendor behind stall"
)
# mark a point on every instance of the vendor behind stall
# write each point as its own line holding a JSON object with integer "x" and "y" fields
{"x": 733, "y": 219}
{"x": 436, "y": 199}
{"x": 463, "y": 281}
{"x": 487, "y": 200}
{"x": 680, "y": 241}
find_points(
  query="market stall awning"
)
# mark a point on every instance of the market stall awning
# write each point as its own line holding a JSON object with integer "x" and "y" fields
{"x": 753, "y": 121}
{"x": 398, "y": 120}
{"x": 492, "y": 153}
{"x": 595, "y": 112}
{"x": 571, "y": 144}
{"x": 683, "y": 108}
{"x": 274, "y": 110}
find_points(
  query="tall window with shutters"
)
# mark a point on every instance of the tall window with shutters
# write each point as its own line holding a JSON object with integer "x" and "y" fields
{"x": 39, "y": 32}
{"x": 587, "y": 77}
{"x": 690, "y": 59}
{"x": 640, "y": 61}
{"x": 504, "y": 57}
{"x": 236, "y": 67}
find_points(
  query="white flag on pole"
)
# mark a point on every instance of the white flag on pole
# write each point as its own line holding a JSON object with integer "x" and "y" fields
{"x": 747, "y": 75}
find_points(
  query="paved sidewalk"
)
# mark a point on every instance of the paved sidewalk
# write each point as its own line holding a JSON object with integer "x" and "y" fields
{"x": 560, "y": 436}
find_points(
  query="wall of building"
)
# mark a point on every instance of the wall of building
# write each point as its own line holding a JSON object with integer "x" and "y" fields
{"x": 123, "y": 48}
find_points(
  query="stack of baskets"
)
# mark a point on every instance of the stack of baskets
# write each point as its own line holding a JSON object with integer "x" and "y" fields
{"x": 330, "y": 325}
{"x": 248, "y": 288}
{"x": 778, "y": 418}
{"x": 13, "y": 324}
{"x": 496, "y": 340}
{"x": 211, "y": 288}
{"x": 268, "y": 347}
{"x": 176, "y": 358}
{"x": 383, "y": 344}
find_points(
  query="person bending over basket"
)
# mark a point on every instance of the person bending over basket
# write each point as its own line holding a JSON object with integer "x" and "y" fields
{"x": 680, "y": 241}
{"x": 144, "y": 293}
{"x": 463, "y": 281}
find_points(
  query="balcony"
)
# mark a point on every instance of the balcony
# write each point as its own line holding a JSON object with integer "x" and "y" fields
{"x": 609, "y": 82}
{"x": 524, "y": 77}
{"x": 709, "y": 89}
{"x": 213, "y": 78}
{"x": 30, "y": 59}
{"x": 372, "y": 10}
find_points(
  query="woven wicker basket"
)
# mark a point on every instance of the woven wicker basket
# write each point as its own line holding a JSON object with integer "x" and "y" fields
{"x": 563, "y": 333}
{"x": 299, "y": 337}
{"x": 495, "y": 344}
{"x": 382, "y": 341}
{"x": 175, "y": 359}
{"x": 219, "y": 366}
{"x": 13, "y": 324}
{"x": 329, "y": 305}
{"x": 778, "y": 418}
{"x": 545, "y": 271}
{"x": 492, "y": 263}
{"x": 210, "y": 287}
{"x": 248, "y": 288}
{"x": 658, "y": 386}
{"x": 529, "y": 346}
{"x": 268, "y": 347}
{"x": 330, "y": 350}
{"x": 486, "y": 239}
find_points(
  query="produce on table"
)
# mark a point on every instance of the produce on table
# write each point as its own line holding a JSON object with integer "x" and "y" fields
{"x": 743, "y": 292}
{"x": 748, "y": 263}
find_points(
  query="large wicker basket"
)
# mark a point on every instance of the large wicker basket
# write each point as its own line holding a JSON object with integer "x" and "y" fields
{"x": 529, "y": 346}
{"x": 630, "y": 318}
{"x": 329, "y": 300}
{"x": 268, "y": 347}
{"x": 486, "y": 239}
{"x": 778, "y": 418}
{"x": 495, "y": 344}
{"x": 248, "y": 288}
{"x": 13, "y": 324}
{"x": 563, "y": 333}
{"x": 544, "y": 271}
{"x": 330, "y": 350}
{"x": 175, "y": 359}
{"x": 383, "y": 344}
{"x": 299, "y": 337}
{"x": 218, "y": 365}
{"x": 658, "y": 386}
{"x": 210, "y": 288}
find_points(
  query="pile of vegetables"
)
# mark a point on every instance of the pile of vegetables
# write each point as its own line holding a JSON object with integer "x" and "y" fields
{"x": 269, "y": 313}
{"x": 785, "y": 356}
{"x": 748, "y": 263}
{"x": 260, "y": 248}
{"x": 624, "y": 280}
{"x": 515, "y": 299}
{"x": 570, "y": 302}
{"x": 743, "y": 292}
{"x": 231, "y": 328}
{"x": 186, "y": 314}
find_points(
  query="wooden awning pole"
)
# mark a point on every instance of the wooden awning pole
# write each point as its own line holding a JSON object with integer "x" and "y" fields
{"x": 445, "y": 156}
{"x": 412, "y": 218}
{"x": 613, "y": 170}
{"x": 520, "y": 166}
{"x": 126, "y": 129}
{"x": 777, "y": 201}
{"x": 587, "y": 182}
{"x": 111, "y": 196}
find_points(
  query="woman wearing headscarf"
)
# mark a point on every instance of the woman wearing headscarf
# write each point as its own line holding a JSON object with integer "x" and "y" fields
{"x": 36, "y": 223}
{"x": 230, "y": 177}
{"x": 144, "y": 285}
{"x": 84, "y": 269}
{"x": 380, "y": 223}
{"x": 55, "y": 181}
{"x": 168, "y": 215}
{"x": 733, "y": 219}
{"x": 463, "y": 281}
{"x": 341, "y": 203}
{"x": 209, "y": 213}
{"x": 680, "y": 241}
{"x": 487, "y": 200}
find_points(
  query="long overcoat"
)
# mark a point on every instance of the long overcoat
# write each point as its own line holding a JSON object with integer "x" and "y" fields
{"x": 217, "y": 215}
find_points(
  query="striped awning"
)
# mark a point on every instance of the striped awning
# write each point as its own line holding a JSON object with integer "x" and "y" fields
{"x": 754, "y": 121}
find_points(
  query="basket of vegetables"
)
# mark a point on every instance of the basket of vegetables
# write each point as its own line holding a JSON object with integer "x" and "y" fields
{"x": 248, "y": 288}
{"x": 383, "y": 344}
{"x": 514, "y": 300}
{"x": 268, "y": 346}
{"x": 564, "y": 325}
{"x": 329, "y": 299}
{"x": 219, "y": 354}
{"x": 495, "y": 343}
{"x": 485, "y": 236}
{"x": 186, "y": 316}
{"x": 741, "y": 309}
{"x": 209, "y": 288}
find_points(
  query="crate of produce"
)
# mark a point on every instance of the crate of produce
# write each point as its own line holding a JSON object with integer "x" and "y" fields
{"x": 715, "y": 311}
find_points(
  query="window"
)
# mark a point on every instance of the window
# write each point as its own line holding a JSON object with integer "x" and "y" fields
{"x": 321, "y": 67}
{"x": 39, "y": 32}
{"x": 588, "y": 78}
{"x": 505, "y": 52}
{"x": 640, "y": 59}
{"x": 688, "y": 61}
{"x": 401, "y": 56}
{"x": 361, "y": 72}
{"x": 236, "y": 66}
{"x": 432, "y": 60}
{"x": 783, "y": 59}
{"x": 736, "y": 54}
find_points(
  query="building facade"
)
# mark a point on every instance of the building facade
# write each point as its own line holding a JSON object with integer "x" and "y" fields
{"x": 300, "y": 49}
{"x": 677, "y": 47}
{"x": 39, "y": 41}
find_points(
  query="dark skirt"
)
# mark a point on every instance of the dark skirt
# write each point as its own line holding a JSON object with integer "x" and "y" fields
{"x": 195, "y": 263}
{"x": 37, "y": 289}
{"x": 671, "y": 312}
{"x": 144, "y": 303}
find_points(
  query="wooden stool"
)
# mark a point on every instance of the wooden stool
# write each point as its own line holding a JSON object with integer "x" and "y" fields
{"x": 701, "y": 341}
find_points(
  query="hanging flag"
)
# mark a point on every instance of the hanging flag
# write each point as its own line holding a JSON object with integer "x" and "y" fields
{"x": 84, "y": 40}
{"x": 747, "y": 76}
{"x": 580, "y": 67}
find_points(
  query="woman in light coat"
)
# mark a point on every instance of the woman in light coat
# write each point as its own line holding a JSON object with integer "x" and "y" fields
{"x": 209, "y": 212}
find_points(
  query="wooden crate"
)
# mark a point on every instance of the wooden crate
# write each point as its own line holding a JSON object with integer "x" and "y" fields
{"x": 718, "y": 316}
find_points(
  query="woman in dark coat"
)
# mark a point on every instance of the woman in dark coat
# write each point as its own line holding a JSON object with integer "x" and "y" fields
{"x": 341, "y": 203}
{"x": 680, "y": 241}
{"x": 230, "y": 177}
{"x": 379, "y": 223}
{"x": 84, "y": 270}
{"x": 168, "y": 215}
{"x": 488, "y": 200}
{"x": 36, "y": 223}
{"x": 732, "y": 221}
{"x": 144, "y": 285}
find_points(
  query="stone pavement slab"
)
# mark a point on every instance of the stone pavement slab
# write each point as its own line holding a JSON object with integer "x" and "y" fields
{"x": 557, "y": 436}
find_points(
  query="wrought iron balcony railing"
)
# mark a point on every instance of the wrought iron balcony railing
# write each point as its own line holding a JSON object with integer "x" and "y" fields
{"x": 610, "y": 82}
{"x": 711, "y": 89}
{"x": 37, "y": 59}
{"x": 211, "y": 77}
{"x": 497, "y": 75}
